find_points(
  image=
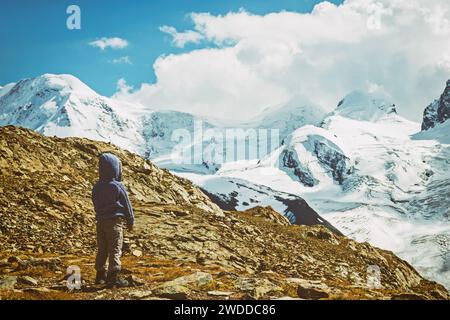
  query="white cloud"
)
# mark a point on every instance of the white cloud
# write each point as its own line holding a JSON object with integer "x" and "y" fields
{"x": 122, "y": 60}
{"x": 180, "y": 39}
{"x": 113, "y": 43}
{"x": 123, "y": 87}
{"x": 400, "y": 47}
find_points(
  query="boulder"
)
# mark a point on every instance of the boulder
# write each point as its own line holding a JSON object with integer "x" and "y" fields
{"x": 140, "y": 294}
{"x": 197, "y": 279}
{"x": 171, "y": 291}
{"x": 179, "y": 288}
{"x": 257, "y": 288}
{"x": 310, "y": 289}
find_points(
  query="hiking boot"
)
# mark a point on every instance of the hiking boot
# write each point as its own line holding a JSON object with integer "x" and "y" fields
{"x": 100, "y": 277}
{"x": 113, "y": 280}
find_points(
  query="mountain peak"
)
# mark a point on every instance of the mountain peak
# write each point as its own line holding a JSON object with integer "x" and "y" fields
{"x": 290, "y": 116}
{"x": 62, "y": 105}
{"x": 66, "y": 84}
{"x": 360, "y": 105}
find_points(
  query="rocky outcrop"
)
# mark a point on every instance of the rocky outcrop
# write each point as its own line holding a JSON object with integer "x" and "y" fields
{"x": 430, "y": 115}
{"x": 338, "y": 163}
{"x": 438, "y": 111}
{"x": 188, "y": 247}
{"x": 444, "y": 104}
{"x": 310, "y": 153}
{"x": 269, "y": 214}
{"x": 291, "y": 164}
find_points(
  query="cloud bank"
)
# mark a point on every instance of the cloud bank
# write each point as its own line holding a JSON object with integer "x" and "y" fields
{"x": 250, "y": 62}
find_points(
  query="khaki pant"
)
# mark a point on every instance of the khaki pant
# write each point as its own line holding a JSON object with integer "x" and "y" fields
{"x": 109, "y": 244}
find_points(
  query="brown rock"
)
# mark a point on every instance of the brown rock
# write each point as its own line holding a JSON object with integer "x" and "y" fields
{"x": 7, "y": 282}
{"x": 408, "y": 296}
{"x": 27, "y": 280}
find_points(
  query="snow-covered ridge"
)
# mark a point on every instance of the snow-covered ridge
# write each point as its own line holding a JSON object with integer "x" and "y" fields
{"x": 289, "y": 117}
{"x": 4, "y": 90}
{"x": 363, "y": 106}
{"x": 311, "y": 155}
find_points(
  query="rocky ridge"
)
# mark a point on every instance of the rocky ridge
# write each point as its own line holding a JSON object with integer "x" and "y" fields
{"x": 438, "y": 111}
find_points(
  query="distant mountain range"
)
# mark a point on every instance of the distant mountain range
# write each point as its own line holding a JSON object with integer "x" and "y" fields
{"x": 373, "y": 174}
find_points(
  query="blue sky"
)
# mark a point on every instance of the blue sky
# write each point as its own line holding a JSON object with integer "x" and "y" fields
{"x": 35, "y": 40}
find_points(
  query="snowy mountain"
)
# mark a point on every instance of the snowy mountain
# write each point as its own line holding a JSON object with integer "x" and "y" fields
{"x": 61, "y": 105}
{"x": 172, "y": 137}
{"x": 288, "y": 117}
{"x": 277, "y": 122}
{"x": 159, "y": 126}
{"x": 372, "y": 175}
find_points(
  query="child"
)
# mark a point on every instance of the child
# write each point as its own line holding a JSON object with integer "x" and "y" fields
{"x": 112, "y": 209}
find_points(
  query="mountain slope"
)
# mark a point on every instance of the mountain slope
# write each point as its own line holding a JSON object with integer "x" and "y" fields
{"x": 48, "y": 223}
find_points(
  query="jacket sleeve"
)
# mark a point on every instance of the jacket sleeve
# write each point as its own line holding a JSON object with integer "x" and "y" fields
{"x": 125, "y": 201}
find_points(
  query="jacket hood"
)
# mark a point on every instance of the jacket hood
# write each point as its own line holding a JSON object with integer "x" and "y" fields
{"x": 109, "y": 167}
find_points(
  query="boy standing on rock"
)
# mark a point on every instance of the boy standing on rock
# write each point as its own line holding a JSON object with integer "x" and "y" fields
{"x": 112, "y": 209}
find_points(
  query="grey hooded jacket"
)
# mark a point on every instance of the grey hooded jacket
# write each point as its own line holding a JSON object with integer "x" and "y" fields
{"x": 109, "y": 196}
